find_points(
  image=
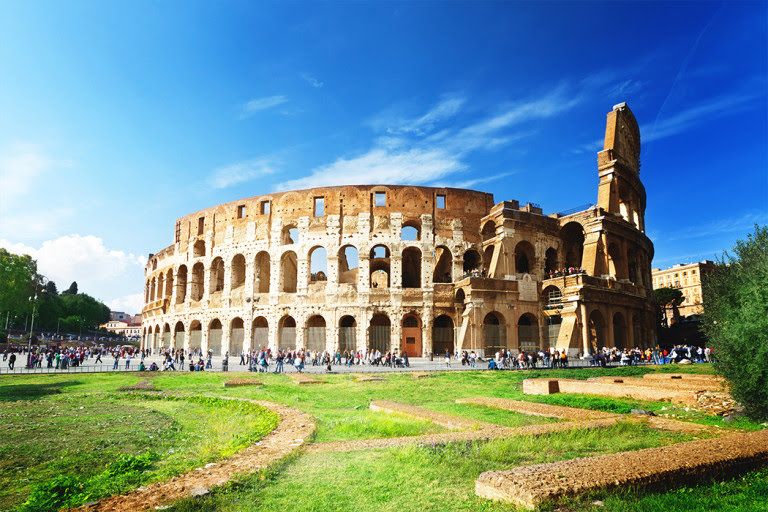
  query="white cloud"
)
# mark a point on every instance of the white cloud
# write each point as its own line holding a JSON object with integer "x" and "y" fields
{"x": 476, "y": 181}
{"x": 446, "y": 108}
{"x": 311, "y": 80}
{"x": 259, "y": 104}
{"x": 381, "y": 165}
{"x": 99, "y": 271}
{"x": 240, "y": 172}
{"x": 131, "y": 304}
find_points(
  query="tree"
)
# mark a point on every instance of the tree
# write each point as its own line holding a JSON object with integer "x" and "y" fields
{"x": 72, "y": 290}
{"x": 735, "y": 320}
{"x": 667, "y": 299}
{"x": 50, "y": 288}
{"x": 18, "y": 278}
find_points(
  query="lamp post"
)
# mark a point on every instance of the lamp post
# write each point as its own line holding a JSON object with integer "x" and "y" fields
{"x": 31, "y": 328}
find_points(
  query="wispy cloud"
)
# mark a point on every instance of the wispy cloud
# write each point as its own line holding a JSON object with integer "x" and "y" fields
{"x": 475, "y": 182}
{"x": 240, "y": 172}
{"x": 258, "y": 104}
{"x": 311, "y": 80}
{"x": 432, "y": 147}
{"x": 739, "y": 224}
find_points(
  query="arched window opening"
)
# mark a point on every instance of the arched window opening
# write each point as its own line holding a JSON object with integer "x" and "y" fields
{"x": 314, "y": 340}
{"x": 444, "y": 265}
{"x": 411, "y": 231}
{"x": 488, "y": 260}
{"x": 379, "y": 267}
{"x": 379, "y": 333}
{"x": 411, "y": 267}
{"x": 550, "y": 261}
{"x": 160, "y": 286}
{"x": 198, "y": 250}
{"x": 198, "y": 275}
{"x": 488, "y": 231}
{"x": 349, "y": 263}
{"x": 442, "y": 335}
{"x": 236, "y": 336}
{"x": 472, "y": 261}
{"x": 347, "y": 334}
{"x": 552, "y": 296}
{"x": 169, "y": 284}
{"x": 217, "y": 275}
{"x": 181, "y": 284}
{"x": 553, "y": 329}
{"x": 528, "y": 332}
{"x": 524, "y": 258}
{"x": 290, "y": 235}
{"x": 261, "y": 274}
{"x": 152, "y": 290}
{"x": 238, "y": 271}
{"x": 178, "y": 335}
{"x": 167, "y": 339}
{"x": 195, "y": 334}
{"x": 318, "y": 265}
{"x": 260, "y": 333}
{"x": 288, "y": 272}
{"x": 572, "y": 235}
{"x": 147, "y": 291}
{"x": 494, "y": 334}
{"x": 287, "y": 333}
{"x": 214, "y": 337}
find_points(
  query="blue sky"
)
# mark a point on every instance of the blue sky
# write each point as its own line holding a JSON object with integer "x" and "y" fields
{"x": 118, "y": 117}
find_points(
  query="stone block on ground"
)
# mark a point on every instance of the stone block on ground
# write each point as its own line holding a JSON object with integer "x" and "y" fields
{"x": 540, "y": 386}
{"x": 304, "y": 379}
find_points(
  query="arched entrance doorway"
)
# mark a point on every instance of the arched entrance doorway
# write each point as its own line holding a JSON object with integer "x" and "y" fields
{"x": 287, "y": 334}
{"x": 260, "y": 333}
{"x": 314, "y": 340}
{"x": 494, "y": 334}
{"x": 410, "y": 342}
{"x": 236, "y": 337}
{"x": 442, "y": 335}
{"x": 347, "y": 334}
{"x": 214, "y": 337}
{"x": 619, "y": 331}
{"x": 379, "y": 333}
{"x": 528, "y": 333}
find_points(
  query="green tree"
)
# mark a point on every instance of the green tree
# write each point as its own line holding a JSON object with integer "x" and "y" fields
{"x": 666, "y": 299}
{"x": 89, "y": 310}
{"x": 72, "y": 290}
{"x": 18, "y": 279}
{"x": 735, "y": 320}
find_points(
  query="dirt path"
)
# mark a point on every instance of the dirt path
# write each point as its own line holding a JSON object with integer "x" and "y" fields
{"x": 294, "y": 429}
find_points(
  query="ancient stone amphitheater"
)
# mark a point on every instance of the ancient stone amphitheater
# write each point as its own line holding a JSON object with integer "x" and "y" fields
{"x": 413, "y": 269}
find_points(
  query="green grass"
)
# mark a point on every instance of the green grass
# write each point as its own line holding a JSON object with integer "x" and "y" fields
{"x": 189, "y": 432}
{"x": 80, "y": 435}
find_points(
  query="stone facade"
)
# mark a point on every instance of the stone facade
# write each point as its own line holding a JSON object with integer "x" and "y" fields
{"x": 413, "y": 269}
{"x": 688, "y": 279}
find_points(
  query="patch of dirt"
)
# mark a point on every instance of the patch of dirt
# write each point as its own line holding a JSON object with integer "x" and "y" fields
{"x": 448, "y": 421}
{"x": 294, "y": 429}
{"x": 530, "y": 486}
{"x": 241, "y": 381}
{"x": 368, "y": 378}
{"x": 144, "y": 385}
{"x": 537, "y": 409}
{"x": 304, "y": 379}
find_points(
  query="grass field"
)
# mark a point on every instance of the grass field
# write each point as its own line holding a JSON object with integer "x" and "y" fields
{"x": 70, "y": 431}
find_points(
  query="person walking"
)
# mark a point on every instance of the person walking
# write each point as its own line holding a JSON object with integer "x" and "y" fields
{"x": 12, "y": 361}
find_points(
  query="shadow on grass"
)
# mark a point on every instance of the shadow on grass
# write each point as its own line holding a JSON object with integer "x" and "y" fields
{"x": 18, "y": 392}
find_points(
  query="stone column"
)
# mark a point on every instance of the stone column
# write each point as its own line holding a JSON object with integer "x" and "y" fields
{"x": 300, "y": 330}
{"x": 247, "y": 332}
{"x": 204, "y": 337}
{"x": 227, "y": 291}
{"x": 187, "y": 337}
{"x": 206, "y": 284}
{"x": 396, "y": 332}
{"x": 364, "y": 272}
{"x": 226, "y": 331}
{"x": 585, "y": 330}
{"x": 302, "y": 273}
{"x": 396, "y": 270}
{"x": 250, "y": 277}
{"x": 333, "y": 274}
{"x": 426, "y": 332}
{"x": 274, "y": 276}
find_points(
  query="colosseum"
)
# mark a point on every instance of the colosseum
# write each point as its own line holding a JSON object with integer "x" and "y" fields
{"x": 415, "y": 269}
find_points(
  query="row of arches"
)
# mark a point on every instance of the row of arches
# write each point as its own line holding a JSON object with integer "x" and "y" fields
{"x": 379, "y": 334}
{"x": 161, "y": 286}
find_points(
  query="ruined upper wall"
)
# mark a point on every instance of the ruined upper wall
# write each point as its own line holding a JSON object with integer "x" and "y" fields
{"x": 346, "y": 202}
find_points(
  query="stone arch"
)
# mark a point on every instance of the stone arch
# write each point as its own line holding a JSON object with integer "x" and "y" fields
{"x": 318, "y": 264}
{"x": 550, "y": 260}
{"x": 494, "y": 333}
{"x": 147, "y": 291}
{"x": 288, "y": 272}
{"x": 379, "y": 267}
{"x": 214, "y": 337}
{"x": 261, "y": 275}
{"x": 260, "y": 333}
{"x": 169, "y": 284}
{"x": 411, "y": 267}
{"x": 178, "y": 334}
{"x": 349, "y": 263}
{"x": 314, "y": 339}
{"x": 238, "y": 272}
{"x": 410, "y": 231}
{"x": 443, "y": 335}
{"x": 380, "y": 333}
{"x": 488, "y": 259}
{"x": 198, "y": 275}
{"x": 347, "y": 333}
{"x": 459, "y": 299}
{"x": 286, "y": 337}
{"x": 195, "y": 334}
{"x": 236, "y": 336}
{"x": 290, "y": 234}
{"x": 596, "y": 330}
{"x": 411, "y": 342}
{"x": 619, "y": 331}
{"x": 216, "y": 283}
{"x": 443, "y": 271}
{"x": 528, "y": 332}
{"x": 472, "y": 261}
{"x": 572, "y": 235}
{"x": 616, "y": 261}
{"x": 153, "y": 290}
{"x": 488, "y": 231}
{"x": 167, "y": 340}
{"x": 198, "y": 249}
{"x": 552, "y": 296}
{"x": 160, "y": 287}
{"x": 525, "y": 257}
{"x": 181, "y": 284}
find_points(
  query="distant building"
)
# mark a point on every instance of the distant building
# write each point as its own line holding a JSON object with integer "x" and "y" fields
{"x": 686, "y": 277}
{"x": 119, "y": 315}
{"x": 123, "y": 324}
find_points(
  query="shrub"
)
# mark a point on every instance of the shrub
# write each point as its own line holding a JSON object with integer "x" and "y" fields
{"x": 736, "y": 321}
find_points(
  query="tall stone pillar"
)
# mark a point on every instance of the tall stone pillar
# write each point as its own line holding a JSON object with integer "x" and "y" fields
{"x": 396, "y": 270}
{"x": 332, "y": 284}
{"x": 226, "y": 332}
{"x": 364, "y": 272}
{"x": 227, "y": 291}
{"x": 585, "y": 330}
